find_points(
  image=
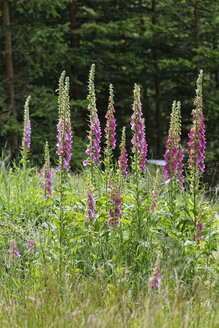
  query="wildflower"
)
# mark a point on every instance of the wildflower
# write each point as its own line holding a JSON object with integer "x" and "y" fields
{"x": 173, "y": 169}
{"x": 27, "y": 126}
{"x": 123, "y": 156}
{"x": 47, "y": 174}
{"x": 13, "y": 251}
{"x": 111, "y": 122}
{"x": 199, "y": 227}
{"x": 93, "y": 149}
{"x": 31, "y": 244}
{"x": 90, "y": 204}
{"x": 139, "y": 147}
{"x": 115, "y": 201}
{"x": 64, "y": 125}
{"x": 156, "y": 277}
{"x": 196, "y": 145}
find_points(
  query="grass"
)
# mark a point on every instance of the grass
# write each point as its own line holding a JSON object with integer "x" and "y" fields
{"x": 106, "y": 273}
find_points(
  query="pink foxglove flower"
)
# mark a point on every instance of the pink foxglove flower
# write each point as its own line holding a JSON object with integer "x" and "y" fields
{"x": 196, "y": 145}
{"x": 64, "y": 125}
{"x": 199, "y": 227}
{"x": 115, "y": 203}
{"x": 27, "y": 126}
{"x": 111, "y": 122}
{"x": 47, "y": 186}
{"x": 13, "y": 251}
{"x": 93, "y": 149}
{"x": 31, "y": 244}
{"x": 90, "y": 204}
{"x": 156, "y": 277}
{"x": 139, "y": 147}
{"x": 123, "y": 156}
{"x": 173, "y": 169}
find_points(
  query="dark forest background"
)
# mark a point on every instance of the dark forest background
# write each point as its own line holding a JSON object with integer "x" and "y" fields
{"x": 160, "y": 44}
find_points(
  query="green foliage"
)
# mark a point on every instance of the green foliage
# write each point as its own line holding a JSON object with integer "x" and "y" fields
{"x": 129, "y": 43}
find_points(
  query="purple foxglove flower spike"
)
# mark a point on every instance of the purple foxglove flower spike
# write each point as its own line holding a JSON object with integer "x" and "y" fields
{"x": 196, "y": 145}
{"x": 13, "y": 251}
{"x": 137, "y": 125}
{"x": 93, "y": 149}
{"x": 47, "y": 186}
{"x": 156, "y": 277}
{"x": 123, "y": 156}
{"x": 111, "y": 122}
{"x": 27, "y": 126}
{"x": 173, "y": 169}
{"x": 64, "y": 125}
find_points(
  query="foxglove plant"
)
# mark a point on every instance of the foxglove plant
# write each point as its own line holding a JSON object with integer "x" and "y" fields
{"x": 47, "y": 186}
{"x": 31, "y": 244}
{"x": 64, "y": 125}
{"x": 123, "y": 155}
{"x": 196, "y": 147}
{"x": 111, "y": 123}
{"x": 199, "y": 227}
{"x": 26, "y": 133}
{"x": 110, "y": 135}
{"x": 173, "y": 169}
{"x": 13, "y": 251}
{"x": 155, "y": 280}
{"x": 139, "y": 148}
{"x": 93, "y": 149}
{"x": 64, "y": 152}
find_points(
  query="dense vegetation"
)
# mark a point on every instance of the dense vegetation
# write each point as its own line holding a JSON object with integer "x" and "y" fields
{"x": 118, "y": 245}
{"x": 159, "y": 44}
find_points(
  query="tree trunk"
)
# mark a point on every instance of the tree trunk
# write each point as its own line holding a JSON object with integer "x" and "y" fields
{"x": 10, "y": 77}
{"x": 156, "y": 82}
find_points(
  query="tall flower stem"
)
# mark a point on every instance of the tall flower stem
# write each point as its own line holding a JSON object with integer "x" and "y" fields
{"x": 64, "y": 153}
{"x": 110, "y": 136}
{"x": 173, "y": 172}
{"x": 93, "y": 149}
{"x": 26, "y": 134}
{"x": 139, "y": 149}
{"x": 196, "y": 146}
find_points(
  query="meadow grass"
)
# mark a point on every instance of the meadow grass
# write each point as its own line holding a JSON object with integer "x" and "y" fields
{"x": 106, "y": 272}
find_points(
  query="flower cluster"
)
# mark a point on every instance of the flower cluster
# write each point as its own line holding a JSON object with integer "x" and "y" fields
{"x": 111, "y": 122}
{"x": 196, "y": 145}
{"x": 90, "y": 204}
{"x": 123, "y": 156}
{"x": 27, "y": 126}
{"x": 93, "y": 149}
{"x": 199, "y": 227}
{"x": 155, "y": 280}
{"x": 64, "y": 125}
{"x": 137, "y": 125}
{"x": 115, "y": 201}
{"x": 47, "y": 174}
{"x": 31, "y": 244}
{"x": 143, "y": 155}
{"x": 13, "y": 251}
{"x": 173, "y": 169}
